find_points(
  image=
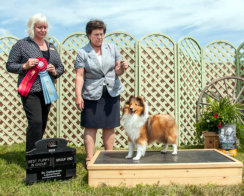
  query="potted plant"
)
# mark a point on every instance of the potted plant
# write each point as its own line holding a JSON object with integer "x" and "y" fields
{"x": 218, "y": 113}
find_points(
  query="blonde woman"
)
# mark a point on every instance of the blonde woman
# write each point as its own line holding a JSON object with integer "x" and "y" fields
{"x": 22, "y": 58}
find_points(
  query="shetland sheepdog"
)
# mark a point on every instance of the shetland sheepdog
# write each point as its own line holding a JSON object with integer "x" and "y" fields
{"x": 143, "y": 129}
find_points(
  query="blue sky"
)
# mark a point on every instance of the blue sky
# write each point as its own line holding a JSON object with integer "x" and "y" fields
{"x": 204, "y": 20}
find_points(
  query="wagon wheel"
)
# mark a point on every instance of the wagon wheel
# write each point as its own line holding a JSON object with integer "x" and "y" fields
{"x": 231, "y": 87}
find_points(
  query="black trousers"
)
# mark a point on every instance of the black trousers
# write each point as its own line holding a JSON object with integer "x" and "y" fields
{"x": 37, "y": 114}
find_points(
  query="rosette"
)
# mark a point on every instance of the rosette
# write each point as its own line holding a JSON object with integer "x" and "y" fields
{"x": 30, "y": 77}
{"x": 48, "y": 88}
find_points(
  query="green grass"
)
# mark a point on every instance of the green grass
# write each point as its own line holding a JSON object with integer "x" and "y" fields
{"x": 12, "y": 173}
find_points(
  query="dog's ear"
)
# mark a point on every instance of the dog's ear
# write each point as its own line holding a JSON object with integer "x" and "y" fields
{"x": 126, "y": 109}
{"x": 131, "y": 97}
{"x": 142, "y": 104}
{"x": 141, "y": 100}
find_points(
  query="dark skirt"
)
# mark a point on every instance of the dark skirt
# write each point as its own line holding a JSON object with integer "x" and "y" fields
{"x": 102, "y": 113}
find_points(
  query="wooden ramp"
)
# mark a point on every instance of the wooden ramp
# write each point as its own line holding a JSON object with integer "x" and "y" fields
{"x": 188, "y": 167}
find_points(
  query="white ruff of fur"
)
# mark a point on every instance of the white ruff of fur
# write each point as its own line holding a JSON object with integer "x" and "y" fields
{"x": 133, "y": 123}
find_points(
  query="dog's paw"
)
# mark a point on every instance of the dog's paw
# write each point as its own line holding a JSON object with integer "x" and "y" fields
{"x": 136, "y": 158}
{"x": 128, "y": 157}
{"x": 174, "y": 153}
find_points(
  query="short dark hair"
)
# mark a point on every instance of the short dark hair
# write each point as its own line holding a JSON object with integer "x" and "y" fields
{"x": 95, "y": 24}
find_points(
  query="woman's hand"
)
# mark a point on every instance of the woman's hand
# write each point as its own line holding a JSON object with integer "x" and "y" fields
{"x": 123, "y": 65}
{"x": 79, "y": 81}
{"x": 120, "y": 67}
{"x": 51, "y": 69}
{"x": 79, "y": 102}
{"x": 30, "y": 63}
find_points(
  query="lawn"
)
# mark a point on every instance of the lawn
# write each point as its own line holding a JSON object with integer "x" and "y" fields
{"x": 12, "y": 173}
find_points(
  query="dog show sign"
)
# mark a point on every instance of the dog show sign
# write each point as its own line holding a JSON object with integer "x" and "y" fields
{"x": 227, "y": 137}
{"x": 51, "y": 159}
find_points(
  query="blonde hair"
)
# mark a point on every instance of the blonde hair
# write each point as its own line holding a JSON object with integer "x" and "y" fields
{"x": 32, "y": 21}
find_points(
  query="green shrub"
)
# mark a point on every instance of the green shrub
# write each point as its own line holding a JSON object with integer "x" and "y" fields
{"x": 218, "y": 113}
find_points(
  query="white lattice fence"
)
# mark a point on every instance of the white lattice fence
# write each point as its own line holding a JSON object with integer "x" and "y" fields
{"x": 240, "y": 56}
{"x": 240, "y": 68}
{"x": 53, "y": 117}
{"x": 218, "y": 61}
{"x": 70, "y": 123}
{"x": 70, "y": 128}
{"x": 11, "y": 112}
{"x": 189, "y": 76}
{"x": 127, "y": 45}
{"x": 13, "y": 120}
{"x": 170, "y": 78}
{"x": 157, "y": 74}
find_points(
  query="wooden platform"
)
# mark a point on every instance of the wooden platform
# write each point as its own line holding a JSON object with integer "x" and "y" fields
{"x": 188, "y": 167}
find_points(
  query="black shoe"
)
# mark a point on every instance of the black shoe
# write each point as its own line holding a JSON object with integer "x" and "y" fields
{"x": 87, "y": 161}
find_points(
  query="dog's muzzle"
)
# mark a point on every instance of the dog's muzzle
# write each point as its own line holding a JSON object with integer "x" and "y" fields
{"x": 131, "y": 111}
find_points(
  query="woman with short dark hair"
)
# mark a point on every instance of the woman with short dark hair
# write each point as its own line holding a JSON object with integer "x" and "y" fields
{"x": 97, "y": 86}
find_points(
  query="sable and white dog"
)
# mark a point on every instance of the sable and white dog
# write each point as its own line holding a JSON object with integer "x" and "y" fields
{"x": 143, "y": 129}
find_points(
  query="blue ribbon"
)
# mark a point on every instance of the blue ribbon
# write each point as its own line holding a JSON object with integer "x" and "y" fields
{"x": 49, "y": 91}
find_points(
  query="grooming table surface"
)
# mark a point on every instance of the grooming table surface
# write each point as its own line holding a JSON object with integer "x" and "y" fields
{"x": 187, "y": 167}
{"x": 156, "y": 157}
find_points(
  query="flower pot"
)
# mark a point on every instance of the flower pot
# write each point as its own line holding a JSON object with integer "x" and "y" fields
{"x": 211, "y": 140}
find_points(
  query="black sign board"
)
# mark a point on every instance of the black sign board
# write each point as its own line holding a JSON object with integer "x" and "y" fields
{"x": 51, "y": 159}
{"x": 227, "y": 137}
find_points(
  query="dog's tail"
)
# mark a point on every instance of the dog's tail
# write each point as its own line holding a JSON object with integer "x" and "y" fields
{"x": 149, "y": 125}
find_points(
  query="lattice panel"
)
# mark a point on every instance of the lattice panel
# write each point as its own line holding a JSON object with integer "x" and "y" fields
{"x": 54, "y": 41}
{"x": 240, "y": 68}
{"x": 218, "y": 60}
{"x": 70, "y": 128}
{"x": 12, "y": 125}
{"x": 189, "y": 70}
{"x": 52, "y": 123}
{"x": 153, "y": 67}
{"x": 127, "y": 45}
{"x": 157, "y": 77}
{"x": 241, "y": 61}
